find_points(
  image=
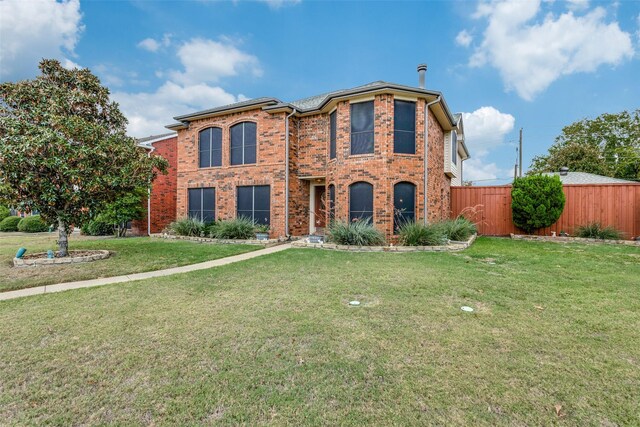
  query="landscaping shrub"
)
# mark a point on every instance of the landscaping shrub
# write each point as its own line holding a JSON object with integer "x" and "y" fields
{"x": 417, "y": 234}
{"x": 4, "y": 212}
{"x": 97, "y": 227}
{"x": 356, "y": 233}
{"x": 536, "y": 201}
{"x": 238, "y": 228}
{"x": 595, "y": 230}
{"x": 10, "y": 223}
{"x": 32, "y": 224}
{"x": 187, "y": 227}
{"x": 459, "y": 229}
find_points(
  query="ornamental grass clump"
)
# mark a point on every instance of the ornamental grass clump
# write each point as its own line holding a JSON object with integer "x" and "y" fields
{"x": 417, "y": 234}
{"x": 242, "y": 228}
{"x": 187, "y": 227}
{"x": 595, "y": 230}
{"x": 357, "y": 233}
{"x": 32, "y": 224}
{"x": 459, "y": 229}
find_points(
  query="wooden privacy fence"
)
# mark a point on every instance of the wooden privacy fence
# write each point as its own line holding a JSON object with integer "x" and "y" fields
{"x": 609, "y": 204}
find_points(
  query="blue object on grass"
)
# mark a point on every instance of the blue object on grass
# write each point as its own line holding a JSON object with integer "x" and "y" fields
{"x": 50, "y": 254}
{"x": 20, "y": 252}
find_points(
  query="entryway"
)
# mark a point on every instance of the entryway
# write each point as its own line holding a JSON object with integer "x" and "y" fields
{"x": 317, "y": 207}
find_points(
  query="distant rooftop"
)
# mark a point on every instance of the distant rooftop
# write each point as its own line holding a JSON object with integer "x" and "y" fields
{"x": 153, "y": 137}
{"x": 587, "y": 178}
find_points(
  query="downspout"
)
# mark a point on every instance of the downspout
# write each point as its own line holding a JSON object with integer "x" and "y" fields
{"x": 286, "y": 174}
{"x": 426, "y": 152}
{"x": 149, "y": 199}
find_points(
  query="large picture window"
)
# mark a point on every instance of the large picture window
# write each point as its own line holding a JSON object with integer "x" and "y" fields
{"x": 202, "y": 204}
{"x": 332, "y": 135}
{"x": 254, "y": 202}
{"x": 404, "y": 127}
{"x": 404, "y": 204}
{"x": 362, "y": 128}
{"x": 210, "y": 144}
{"x": 243, "y": 143}
{"x": 361, "y": 201}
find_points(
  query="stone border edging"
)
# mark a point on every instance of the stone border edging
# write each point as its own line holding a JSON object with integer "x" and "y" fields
{"x": 560, "y": 239}
{"x": 265, "y": 243}
{"x": 451, "y": 247}
{"x": 33, "y": 262}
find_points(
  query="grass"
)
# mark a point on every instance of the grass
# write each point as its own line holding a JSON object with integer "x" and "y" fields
{"x": 553, "y": 340}
{"x": 131, "y": 255}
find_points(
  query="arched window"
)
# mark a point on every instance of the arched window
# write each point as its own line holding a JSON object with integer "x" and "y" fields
{"x": 210, "y": 147}
{"x": 404, "y": 204}
{"x": 361, "y": 201}
{"x": 243, "y": 143}
{"x": 332, "y": 202}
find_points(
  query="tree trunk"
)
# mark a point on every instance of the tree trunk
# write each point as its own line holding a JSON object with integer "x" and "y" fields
{"x": 63, "y": 242}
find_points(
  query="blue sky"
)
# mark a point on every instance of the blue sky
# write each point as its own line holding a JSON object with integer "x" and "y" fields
{"x": 538, "y": 65}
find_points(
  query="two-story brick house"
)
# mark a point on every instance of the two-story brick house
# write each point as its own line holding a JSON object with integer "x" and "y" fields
{"x": 355, "y": 153}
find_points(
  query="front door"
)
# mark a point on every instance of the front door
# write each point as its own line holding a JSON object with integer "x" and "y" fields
{"x": 319, "y": 210}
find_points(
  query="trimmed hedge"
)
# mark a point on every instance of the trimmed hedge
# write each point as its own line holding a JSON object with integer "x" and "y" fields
{"x": 537, "y": 201}
{"x": 10, "y": 223}
{"x": 97, "y": 227}
{"x": 32, "y": 224}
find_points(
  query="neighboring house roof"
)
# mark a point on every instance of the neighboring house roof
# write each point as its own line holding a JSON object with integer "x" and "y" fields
{"x": 317, "y": 102}
{"x": 147, "y": 141}
{"x": 587, "y": 178}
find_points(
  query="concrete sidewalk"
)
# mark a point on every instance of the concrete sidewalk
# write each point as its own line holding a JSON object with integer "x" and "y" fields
{"x": 139, "y": 276}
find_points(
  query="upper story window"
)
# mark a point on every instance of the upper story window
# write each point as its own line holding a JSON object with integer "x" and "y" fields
{"x": 254, "y": 202}
{"x": 361, "y": 201}
{"x": 404, "y": 127}
{"x": 362, "y": 128}
{"x": 210, "y": 147}
{"x": 202, "y": 204}
{"x": 404, "y": 204}
{"x": 243, "y": 143}
{"x": 332, "y": 135}
{"x": 454, "y": 147}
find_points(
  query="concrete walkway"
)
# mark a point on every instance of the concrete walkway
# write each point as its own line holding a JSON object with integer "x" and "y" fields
{"x": 139, "y": 276}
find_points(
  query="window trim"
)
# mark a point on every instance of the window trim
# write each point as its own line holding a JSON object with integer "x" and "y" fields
{"x": 415, "y": 125}
{"x": 210, "y": 148}
{"x": 201, "y": 191}
{"x": 242, "y": 122}
{"x": 373, "y": 210}
{"x": 372, "y": 131}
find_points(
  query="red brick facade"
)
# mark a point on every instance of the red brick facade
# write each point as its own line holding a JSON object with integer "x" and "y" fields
{"x": 163, "y": 190}
{"x": 310, "y": 164}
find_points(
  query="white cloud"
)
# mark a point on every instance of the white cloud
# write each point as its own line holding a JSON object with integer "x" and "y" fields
{"x": 485, "y": 129}
{"x": 277, "y": 4}
{"x": 32, "y": 30}
{"x": 531, "y": 51}
{"x": 578, "y": 4}
{"x": 153, "y": 45}
{"x": 149, "y": 44}
{"x": 204, "y": 62}
{"x": 464, "y": 38}
{"x": 209, "y": 60}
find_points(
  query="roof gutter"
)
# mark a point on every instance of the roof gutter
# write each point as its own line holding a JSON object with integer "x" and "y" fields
{"x": 426, "y": 152}
{"x": 286, "y": 174}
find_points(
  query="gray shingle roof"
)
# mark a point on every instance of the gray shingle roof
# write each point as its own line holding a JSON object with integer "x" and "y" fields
{"x": 313, "y": 102}
{"x": 248, "y": 102}
{"x": 152, "y": 137}
{"x": 587, "y": 178}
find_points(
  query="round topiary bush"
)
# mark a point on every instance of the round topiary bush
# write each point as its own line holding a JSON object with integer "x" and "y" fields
{"x": 4, "y": 212}
{"x": 537, "y": 201}
{"x": 97, "y": 227}
{"x": 32, "y": 224}
{"x": 10, "y": 223}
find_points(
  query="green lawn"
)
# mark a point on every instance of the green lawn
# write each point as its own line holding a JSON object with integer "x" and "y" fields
{"x": 554, "y": 339}
{"x": 130, "y": 255}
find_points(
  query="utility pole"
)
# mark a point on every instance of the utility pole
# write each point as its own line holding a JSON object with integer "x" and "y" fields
{"x": 520, "y": 153}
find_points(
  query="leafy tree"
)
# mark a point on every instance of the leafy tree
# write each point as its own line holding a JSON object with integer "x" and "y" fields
{"x": 537, "y": 201}
{"x": 64, "y": 149}
{"x": 607, "y": 145}
{"x": 123, "y": 210}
